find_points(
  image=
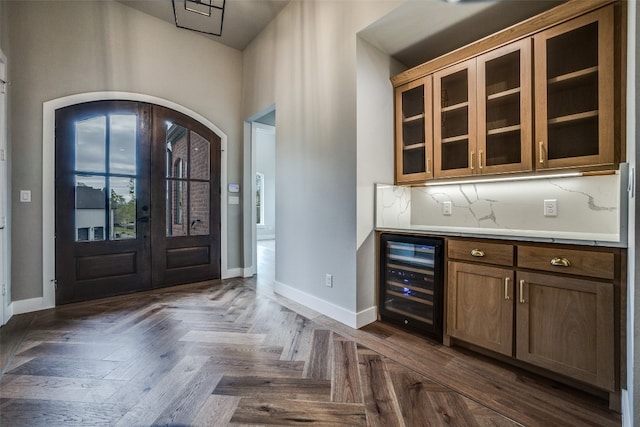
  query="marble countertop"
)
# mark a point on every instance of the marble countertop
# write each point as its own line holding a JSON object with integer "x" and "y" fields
{"x": 548, "y": 237}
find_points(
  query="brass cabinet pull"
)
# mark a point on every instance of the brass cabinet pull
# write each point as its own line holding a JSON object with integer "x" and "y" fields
{"x": 541, "y": 155}
{"x": 480, "y": 159}
{"x": 472, "y": 160}
{"x": 428, "y": 161}
{"x": 477, "y": 253}
{"x": 522, "y": 301}
{"x": 560, "y": 262}
{"x": 506, "y": 288}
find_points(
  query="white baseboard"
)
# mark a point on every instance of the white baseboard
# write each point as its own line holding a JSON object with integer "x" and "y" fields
{"x": 8, "y": 313}
{"x": 29, "y": 305}
{"x": 626, "y": 409}
{"x": 342, "y": 315}
{"x": 232, "y": 272}
{"x": 248, "y": 272}
{"x": 238, "y": 272}
{"x": 364, "y": 317}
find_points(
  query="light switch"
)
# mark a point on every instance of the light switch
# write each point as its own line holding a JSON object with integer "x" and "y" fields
{"x": 25, "y": 196}
{"x": 446, "y": 208}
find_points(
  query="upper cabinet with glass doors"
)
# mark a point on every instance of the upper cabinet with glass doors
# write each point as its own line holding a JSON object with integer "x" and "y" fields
{"x": 414, "y": 132}
{"x": 483, "y": 113}
{"x": 455, "y": 121}
{"x": 574, "y": 92}
{"x": 534, "y": 97}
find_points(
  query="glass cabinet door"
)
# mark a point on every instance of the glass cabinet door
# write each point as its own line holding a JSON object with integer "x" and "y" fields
{"x": 574, "y": 92}
{"x": 504, "y": 109}
{"x": 454, "y": 124}
{"x": 414, "y": 144}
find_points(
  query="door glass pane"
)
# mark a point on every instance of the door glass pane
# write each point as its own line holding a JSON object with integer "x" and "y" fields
{"x": 122, "y": 215}
{"x": 176, "y": 197}
{"x": 199, "y": 209}
{"x": 90, "y": 144}
{"x": 122, "y": 148}
{"x": 89, "y": 207}
{"x": 199, "y": 160}
{"x": 177, "y": 151}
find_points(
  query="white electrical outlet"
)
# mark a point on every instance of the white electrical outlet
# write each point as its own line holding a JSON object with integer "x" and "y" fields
{"x": 446, "y": 208}
{"x": 551, "y": 207}
{"x": 25, "y": 196}
{"x": 328, "y": 280}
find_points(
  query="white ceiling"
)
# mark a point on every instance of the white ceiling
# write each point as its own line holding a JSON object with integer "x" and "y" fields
{"x": 413, "y": 33}
{"x": 420, "y": 30}
{"x": 243, "y": 19}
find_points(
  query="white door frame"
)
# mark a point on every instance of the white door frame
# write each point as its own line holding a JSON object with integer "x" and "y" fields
{"x": 48, "y": 186}
{"x": 5, "y": 228}
{"x": 255, "y": 129}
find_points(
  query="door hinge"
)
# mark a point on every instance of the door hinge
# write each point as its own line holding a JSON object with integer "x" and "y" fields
{"x": 55, "y": 283}
{"x": 3, "y": 86}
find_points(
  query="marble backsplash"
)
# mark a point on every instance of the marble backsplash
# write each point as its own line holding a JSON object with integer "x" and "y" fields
{"x": 590, "y": 209}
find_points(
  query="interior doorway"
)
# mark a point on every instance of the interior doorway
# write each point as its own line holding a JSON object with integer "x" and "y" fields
{"x": 137, "y": 199}
{"x": 264, "y": 196}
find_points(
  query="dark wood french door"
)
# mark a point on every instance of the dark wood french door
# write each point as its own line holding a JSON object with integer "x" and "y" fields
{"x": 137, "y": 200}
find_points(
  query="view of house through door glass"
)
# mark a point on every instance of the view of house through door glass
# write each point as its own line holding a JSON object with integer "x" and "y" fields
{"x": 137, "y": 201}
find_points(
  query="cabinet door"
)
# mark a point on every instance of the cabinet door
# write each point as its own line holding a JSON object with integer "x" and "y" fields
{"x": 454, "y": 123}
{"x": 574, "y": 92}
{"x": 504, "y": 109}
{"x": 414, "y": 132}
{"x": 480, "y": 306}
{"x": 566, "y": 325}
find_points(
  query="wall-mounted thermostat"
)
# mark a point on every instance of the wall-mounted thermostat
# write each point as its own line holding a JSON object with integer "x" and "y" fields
{"x": 234, "y": 188}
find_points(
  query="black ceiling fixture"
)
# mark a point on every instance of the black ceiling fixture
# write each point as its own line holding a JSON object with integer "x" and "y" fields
{"x": 202, "y": 16}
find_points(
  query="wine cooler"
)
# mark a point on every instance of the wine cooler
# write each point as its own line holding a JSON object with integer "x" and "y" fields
{"x": 411, "y": 282}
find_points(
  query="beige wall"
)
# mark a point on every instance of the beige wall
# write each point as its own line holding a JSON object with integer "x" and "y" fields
{"x": 59, "y": 48}
{"x": 305, "y": 63}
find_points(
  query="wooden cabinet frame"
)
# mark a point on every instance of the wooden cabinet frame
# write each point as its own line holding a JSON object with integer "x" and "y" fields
{"x": 566, "y": 304}
{"x": 534, "y": 151}
{"x": 606, "y": 92}
{"x": 427, "y": 118}
{"x": 585, "y": 308}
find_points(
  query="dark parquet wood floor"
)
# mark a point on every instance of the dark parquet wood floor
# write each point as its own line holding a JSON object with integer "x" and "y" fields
{"x": 233, "y": 353}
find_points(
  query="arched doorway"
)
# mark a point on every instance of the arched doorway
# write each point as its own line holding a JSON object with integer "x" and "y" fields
{"x": 137, "y": 199}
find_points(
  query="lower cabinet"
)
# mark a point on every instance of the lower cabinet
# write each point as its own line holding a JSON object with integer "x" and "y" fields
{"x": 566, "y": 325}
{"x": 480, "y": 309}
{"x": 560, "y": 321}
